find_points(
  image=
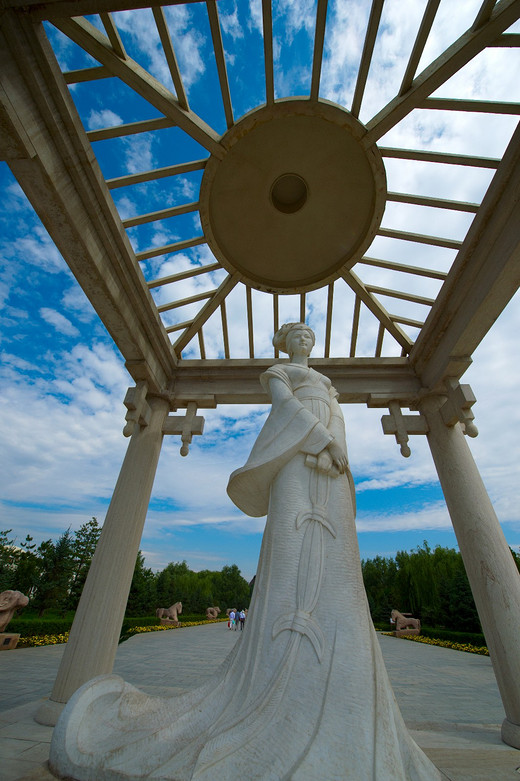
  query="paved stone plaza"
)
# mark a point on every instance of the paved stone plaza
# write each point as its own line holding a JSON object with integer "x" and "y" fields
{"x": 448, "y": 699}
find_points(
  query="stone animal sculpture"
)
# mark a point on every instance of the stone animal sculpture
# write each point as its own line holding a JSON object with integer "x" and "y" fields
{"x": 404, "y": 622}
{"x": 10, "y": 602}
{"x": 169, "y": 613}
{"x": 212, "y": 612}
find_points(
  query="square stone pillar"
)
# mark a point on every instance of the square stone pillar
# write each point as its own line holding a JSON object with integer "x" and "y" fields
{"x": 95, "y": 633}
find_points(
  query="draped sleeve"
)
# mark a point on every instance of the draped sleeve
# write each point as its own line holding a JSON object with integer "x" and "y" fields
{"x": 289, "y": 429}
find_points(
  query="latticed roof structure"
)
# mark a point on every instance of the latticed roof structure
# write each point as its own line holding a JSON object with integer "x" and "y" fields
{"x": 380, "y": 204}
{"x": 398, "y": 245}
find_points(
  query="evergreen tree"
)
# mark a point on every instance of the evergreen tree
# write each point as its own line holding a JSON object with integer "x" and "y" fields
{"x": 430, "y": 584}
{"x": 143, "y": 594}
{"x": 379, "y": 577}
{"x": 8, "y": 560}
{"x": 234, "y": 589}
{"x": 53, "y": 588}
{"x": 28, "y": 568}
{"x": 169, "y": 584}
{"x": 83, "y": 548}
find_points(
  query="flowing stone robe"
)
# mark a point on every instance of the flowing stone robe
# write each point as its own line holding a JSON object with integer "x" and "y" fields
{"x": 304, "y": 693}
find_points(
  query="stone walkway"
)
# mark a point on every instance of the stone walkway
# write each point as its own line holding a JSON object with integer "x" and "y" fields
{"x": 448, "y": 699}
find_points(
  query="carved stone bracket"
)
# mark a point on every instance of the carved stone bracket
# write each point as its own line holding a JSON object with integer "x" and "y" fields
{"x": 138, "y": 409}
{"x": 185, "y": 425}
{"x": 401, "y": 426}
{"x": 457, "y": 407}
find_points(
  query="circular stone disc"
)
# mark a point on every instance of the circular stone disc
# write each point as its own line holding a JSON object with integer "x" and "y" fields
{"x": 296, "y": 198}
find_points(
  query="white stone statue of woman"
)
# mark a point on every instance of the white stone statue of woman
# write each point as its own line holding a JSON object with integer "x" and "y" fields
{"x": 304, "y": 694}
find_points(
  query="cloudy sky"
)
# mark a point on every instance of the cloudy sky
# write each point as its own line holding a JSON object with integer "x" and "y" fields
{"x": 63, "y": 380}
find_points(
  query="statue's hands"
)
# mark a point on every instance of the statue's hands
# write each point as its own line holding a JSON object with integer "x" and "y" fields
{"x": 324, "y": 461}
{"x": 338, "y": 456}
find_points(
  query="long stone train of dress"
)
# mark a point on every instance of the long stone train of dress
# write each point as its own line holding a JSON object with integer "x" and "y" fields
{"x": 304, "y": 694}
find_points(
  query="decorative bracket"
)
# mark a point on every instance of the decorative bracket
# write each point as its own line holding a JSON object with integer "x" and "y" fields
{"x": 457, "y": 407}
{"x": 185, "y": 425}
{"x": 402, "y": 425}
{"x": 139, "y": 411}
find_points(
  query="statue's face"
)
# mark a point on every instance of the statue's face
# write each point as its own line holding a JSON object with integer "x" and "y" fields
{"x": 299, "y": 341}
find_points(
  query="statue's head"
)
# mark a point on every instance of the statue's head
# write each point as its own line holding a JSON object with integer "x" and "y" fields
{"x": 288, "y": 333}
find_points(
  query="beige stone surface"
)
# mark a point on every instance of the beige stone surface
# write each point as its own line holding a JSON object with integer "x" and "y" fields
{"x": 303, "y": 695}
{"x": 489, "y": 565}
{"x": 10, "y": 602}
{"x": 405, "y": 623}
{"x": 8, "y": 641}
{"x": 169, "y": 615}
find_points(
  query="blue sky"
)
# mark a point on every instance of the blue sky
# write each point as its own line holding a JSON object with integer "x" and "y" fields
{"x": 63, "y": 380}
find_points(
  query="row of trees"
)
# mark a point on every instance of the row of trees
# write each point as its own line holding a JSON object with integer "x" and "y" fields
{"x": 53, "y": 574}
{"x": 178, "y": 583}
{"x": 430, "y": 584}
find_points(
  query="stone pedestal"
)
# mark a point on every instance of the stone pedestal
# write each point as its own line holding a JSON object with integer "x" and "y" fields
{"x": 95, "y": 633}
{"x": 8, "y": 641}
{"x": 169, "y": 622}
{"x": 406, "y": 632}
{"x": 491, "y": 571}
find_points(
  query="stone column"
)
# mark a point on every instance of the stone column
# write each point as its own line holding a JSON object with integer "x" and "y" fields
{"x": 492, "y": 573}
{"x": 95, "y": 633}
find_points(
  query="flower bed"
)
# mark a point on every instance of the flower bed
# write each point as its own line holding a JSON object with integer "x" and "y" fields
{"x": 470, "y": 649}
{"x": 37, "y": 641}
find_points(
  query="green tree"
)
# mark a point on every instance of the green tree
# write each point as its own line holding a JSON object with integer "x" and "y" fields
{"x": 461, "y": 612}
{"x": 28, "y": 568}
{"x": 8, "y": 560}
{"x": 431, "y": 584}
{"x": 379, "y": 577}
{"x": 168, "y": 583}
{"x": 56, "y": 570}
{"x": 234, "y": 589}
{"x": 83, "y": 548}
{"x": 143, "y": 593}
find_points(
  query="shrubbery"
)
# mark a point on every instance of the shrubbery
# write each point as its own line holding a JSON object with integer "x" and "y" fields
{"x": 149, "y": 625}
{"x": 27, "y": 627}
{"x": 476, "y": 639}
{"x": 467, "y": 647}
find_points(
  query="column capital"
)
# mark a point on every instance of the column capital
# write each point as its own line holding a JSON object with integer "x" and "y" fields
{"x": 138, "y": 409}
{"x": 454, "y": 406}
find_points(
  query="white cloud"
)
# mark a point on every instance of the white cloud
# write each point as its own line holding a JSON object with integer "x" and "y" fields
{"x": 126, "y": 206}
{"x": 138, "y": 153}
{"x": 58, "y": 321}
{"x": 103, "y": 118}
{"x": 255, "y": 16}
{"x": 143, "y": 42}
{"x": 294, "y": 16}
{"x": 75, "y": 300}
{"x": 231, "y": 25}
{"x": 37, "y": 249}
{"x": 434, "y": 516}
{"x": 62, "y": 438}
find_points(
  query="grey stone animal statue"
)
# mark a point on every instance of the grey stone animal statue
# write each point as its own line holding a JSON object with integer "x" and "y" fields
{"x": 404, "y": 622}
{"x": 171, "y": 613}
{"x": 10, "y": 602}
